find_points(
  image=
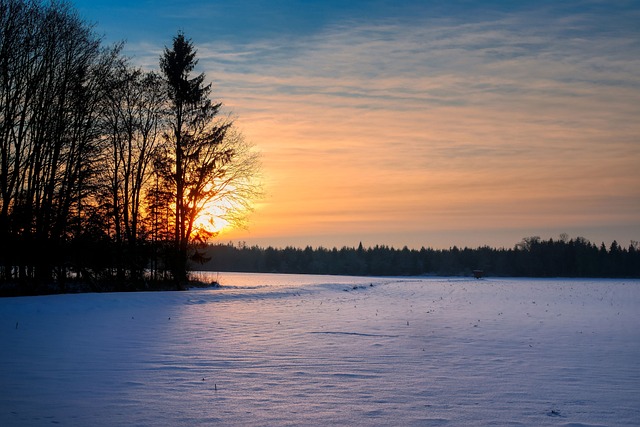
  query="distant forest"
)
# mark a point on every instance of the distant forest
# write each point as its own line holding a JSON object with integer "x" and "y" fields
{"x": 532, "y": 257}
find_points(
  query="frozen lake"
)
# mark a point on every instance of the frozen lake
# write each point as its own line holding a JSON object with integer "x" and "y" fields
{"x": 322, "y": 350}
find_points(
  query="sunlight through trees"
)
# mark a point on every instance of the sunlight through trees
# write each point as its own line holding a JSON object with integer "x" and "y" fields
{"x": 106, "y": 170}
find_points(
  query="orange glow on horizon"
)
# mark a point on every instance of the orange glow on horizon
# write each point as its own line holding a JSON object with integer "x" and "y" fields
{"x": 506, "y": 146}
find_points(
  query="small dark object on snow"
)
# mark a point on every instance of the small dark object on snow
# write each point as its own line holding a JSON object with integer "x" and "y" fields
{"x": 554, "y": 413}
{"x": 478, "y": 274}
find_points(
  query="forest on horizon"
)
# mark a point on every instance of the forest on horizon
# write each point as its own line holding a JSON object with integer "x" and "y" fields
{"x": 532, "y": 257}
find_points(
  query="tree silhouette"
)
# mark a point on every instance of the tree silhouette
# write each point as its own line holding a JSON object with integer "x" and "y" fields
{"x": 106, "y": 169}
{"x": 532, "y": 257}
{"x": 52, "y": 80}
{"x": 203, "y": 156}
{"x": 133, "y": 121}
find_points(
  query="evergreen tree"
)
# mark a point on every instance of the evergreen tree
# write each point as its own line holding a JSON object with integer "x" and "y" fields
{"x": 199, "y": 157}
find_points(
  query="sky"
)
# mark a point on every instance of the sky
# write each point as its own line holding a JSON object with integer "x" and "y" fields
{"x": 418, "y": 123}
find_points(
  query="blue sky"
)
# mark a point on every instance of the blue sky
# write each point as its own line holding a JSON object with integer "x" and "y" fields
{"x": 419, "y": 123}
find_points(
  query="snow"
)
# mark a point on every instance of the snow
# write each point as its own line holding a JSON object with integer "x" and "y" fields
{"x": 321, "y": 350}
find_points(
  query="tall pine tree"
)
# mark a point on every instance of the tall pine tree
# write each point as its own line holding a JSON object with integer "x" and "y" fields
{"x": 197, "y": 135}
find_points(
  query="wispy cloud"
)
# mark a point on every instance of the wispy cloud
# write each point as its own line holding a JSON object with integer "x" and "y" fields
{"x": 525, "y": 119}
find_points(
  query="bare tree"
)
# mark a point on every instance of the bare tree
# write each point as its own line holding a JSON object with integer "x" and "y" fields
{"x": 133, "y": 119}
{"x": 18, "y": 31}
{"x": 52, "y": 73}
{"x": 229, "y": 195}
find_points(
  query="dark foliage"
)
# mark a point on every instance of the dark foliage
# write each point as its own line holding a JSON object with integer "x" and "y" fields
{"x": 532, "y": 257}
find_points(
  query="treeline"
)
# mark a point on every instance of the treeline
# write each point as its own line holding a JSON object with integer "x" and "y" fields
{"x": 532, "y": 257}
{"x": 105, "y": 168}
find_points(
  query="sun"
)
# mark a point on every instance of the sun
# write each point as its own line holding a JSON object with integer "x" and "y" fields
{"x": 212, "y": 221}
{"x": 227, "y": 211}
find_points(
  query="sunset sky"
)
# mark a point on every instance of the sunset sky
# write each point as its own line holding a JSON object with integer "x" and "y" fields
{"x": 418, "y": 123}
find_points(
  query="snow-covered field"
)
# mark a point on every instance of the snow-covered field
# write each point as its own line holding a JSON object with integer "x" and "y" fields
{"x": 310, "y": 350}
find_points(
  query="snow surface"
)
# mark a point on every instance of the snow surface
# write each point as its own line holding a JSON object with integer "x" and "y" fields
{"x": 312, "y": 350}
